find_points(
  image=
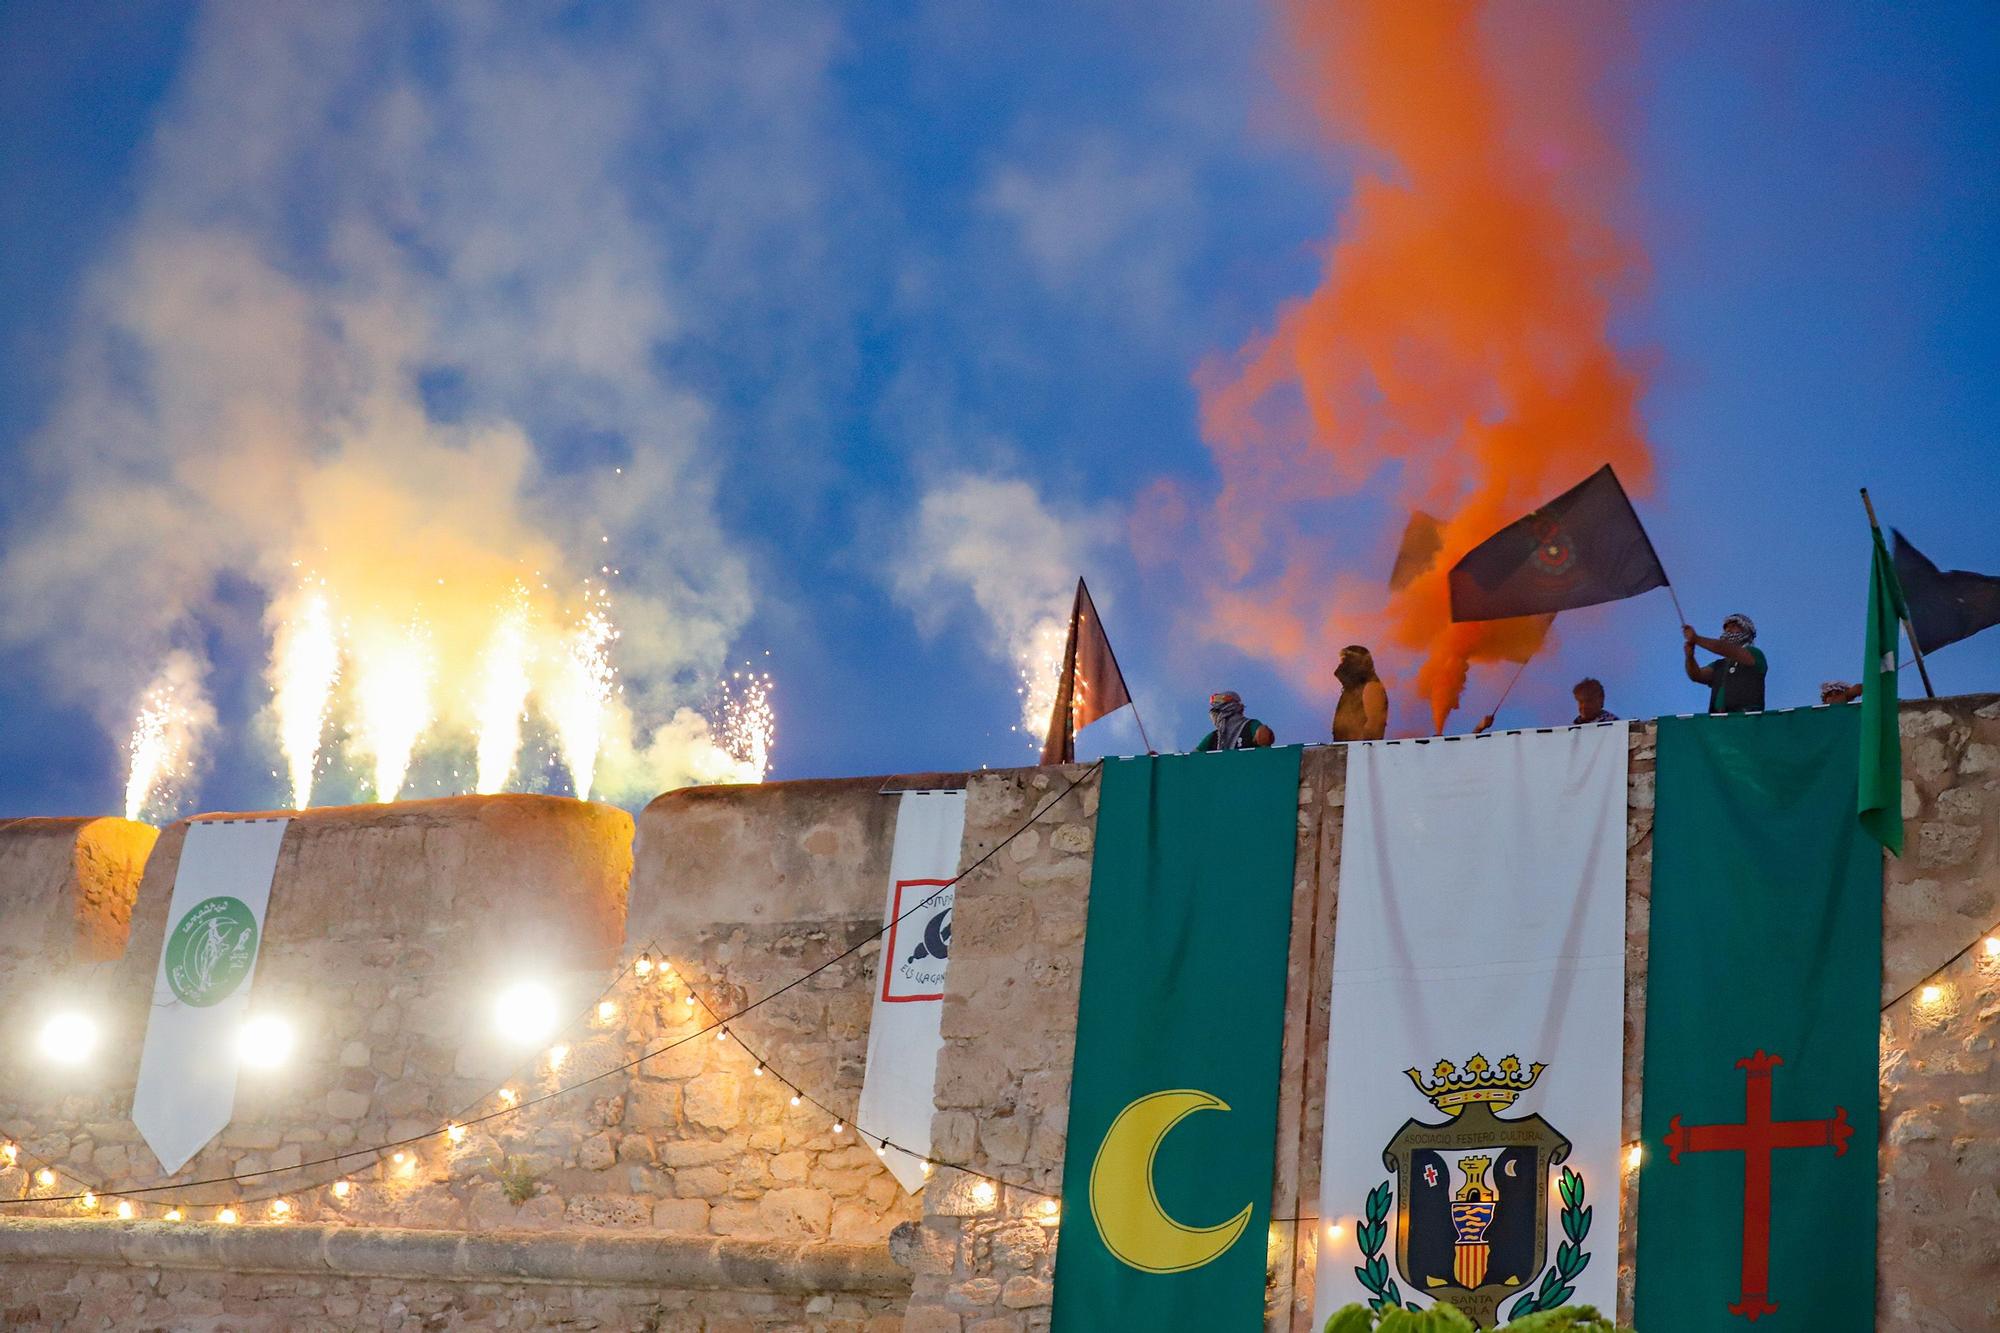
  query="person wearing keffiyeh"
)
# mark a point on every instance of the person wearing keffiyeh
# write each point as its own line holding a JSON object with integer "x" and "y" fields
{"x": 1735, "y": 679}
{"x": 1234, "y": 730}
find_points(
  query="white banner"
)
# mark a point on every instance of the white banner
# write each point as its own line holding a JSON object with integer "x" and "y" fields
{"x": 897, "y": 1097}
{"x": 1475, "y": 1046}
{"x": 201, "y": 993}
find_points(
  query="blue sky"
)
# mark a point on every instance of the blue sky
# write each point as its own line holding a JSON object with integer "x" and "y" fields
{"x": 888, "y": 314}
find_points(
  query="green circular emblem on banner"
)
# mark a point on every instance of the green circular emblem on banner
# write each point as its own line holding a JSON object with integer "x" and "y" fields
{"x": 210, "y": 950}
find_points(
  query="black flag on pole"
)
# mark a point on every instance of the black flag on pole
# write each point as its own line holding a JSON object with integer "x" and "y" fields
{"x": 1584, "y": 547}
{"x": 1946, "y": 605}
{"x": 1091, "y": 685}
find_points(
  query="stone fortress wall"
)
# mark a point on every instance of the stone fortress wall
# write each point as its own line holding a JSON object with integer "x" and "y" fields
{"x": 686, "y": 1191}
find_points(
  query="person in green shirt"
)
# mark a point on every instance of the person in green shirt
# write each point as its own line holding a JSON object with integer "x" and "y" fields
{"x": 1233, "y": 729}
{"x": 1735, "y": 679}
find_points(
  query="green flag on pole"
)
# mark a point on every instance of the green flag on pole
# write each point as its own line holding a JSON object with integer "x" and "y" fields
{"x": 1173, "y": 1110}
{"x": 1758, "y": 1177}
{"x": 1879, "y": 793}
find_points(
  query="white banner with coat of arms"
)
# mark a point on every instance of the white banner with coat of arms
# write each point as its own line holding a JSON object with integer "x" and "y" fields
{"x": 201, "y": 993}
{"x": 1476, "y": 1037}
{"x": 897, "y": 1096}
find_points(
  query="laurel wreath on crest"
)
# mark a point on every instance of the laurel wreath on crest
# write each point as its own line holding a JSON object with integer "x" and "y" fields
{"x": 1374, "y": 1269}
{"x": 1557, "y": 1286}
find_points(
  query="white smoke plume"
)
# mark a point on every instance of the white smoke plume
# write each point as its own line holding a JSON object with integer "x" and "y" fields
{"x": 995, "y": 541}
{"x": 387, "y": 268}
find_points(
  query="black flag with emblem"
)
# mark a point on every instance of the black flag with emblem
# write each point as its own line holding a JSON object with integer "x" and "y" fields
{"x": 1946, "y": 605}
{"x": 1584, "y": 547}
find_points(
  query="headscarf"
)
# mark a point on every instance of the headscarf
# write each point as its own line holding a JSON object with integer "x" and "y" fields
{"x": 1745, "y": 634}
{"x": 1225, "y": 709}
{"x": 1362, "y": 664}
{"x": 1833, "y": 687}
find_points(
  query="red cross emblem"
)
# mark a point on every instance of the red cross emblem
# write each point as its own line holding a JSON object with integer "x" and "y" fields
{"x": 1756, "y": 1138}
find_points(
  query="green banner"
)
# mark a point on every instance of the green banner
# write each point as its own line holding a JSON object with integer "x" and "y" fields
{"x": 1173, "y": 1113}
{"x": 1880, "y": 792}
{"x": 1757, "y": 1184}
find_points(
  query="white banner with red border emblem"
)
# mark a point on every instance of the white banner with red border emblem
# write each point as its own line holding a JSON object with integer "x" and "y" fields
{"x": 1475, "y": 1045}
{"x": 897, "y": 1097}
{"x": 201, "y": 991}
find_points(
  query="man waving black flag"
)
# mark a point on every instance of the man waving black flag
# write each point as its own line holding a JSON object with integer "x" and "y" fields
{"x": 1584, "y": 547}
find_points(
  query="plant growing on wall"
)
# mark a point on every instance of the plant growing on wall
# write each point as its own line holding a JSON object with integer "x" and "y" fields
{"x": 516, "y": 1179}
{"x": 1447, "y": 1319}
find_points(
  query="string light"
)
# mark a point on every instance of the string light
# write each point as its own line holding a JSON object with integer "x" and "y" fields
{"x": 89, "y": 1200}
{"x": 984, "y": 1194}
{"x": 509, "y": 1096}
{"x": 10, "y": 1153}
{"x": 690, "y": 999}
{"x": 644, "y": 967}
{"x": 227, "y": 1217}
{"x": 1993, "y": 946}
{"x": 838, "y": 1127}
{"x": 758, "y": 1072}
{"x": 795, "y": 1099}
{"x": 928, "y": 1168}
{"x": 281, "y": 1208}
{"x": 1333, "y": 1231}
{"x": 882, "y": 1148}
{"x": 606, "y": 1011}
{"x": 455, "y": 1133}
{"x": 1931, "y": 994}
{"x": 722, "y": 1034}
{"x": 342, "y": 1188}
{"x": 125, "y": 1210}
{"x": 400, "y": 1158}
{"x": 173, "y": 1215}
{"x": 45, "y": 1177}
{"x": 557, "y": 1054}
{"x": 1633, "y": 1156}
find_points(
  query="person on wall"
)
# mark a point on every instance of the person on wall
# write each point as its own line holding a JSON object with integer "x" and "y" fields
{"x": 1735, "y": 679}
{"x": 1363, "y": 711}
{"x": 1234, "y": 729}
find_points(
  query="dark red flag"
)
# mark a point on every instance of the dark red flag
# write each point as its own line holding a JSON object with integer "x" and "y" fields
{"x": 1091, "y": 687}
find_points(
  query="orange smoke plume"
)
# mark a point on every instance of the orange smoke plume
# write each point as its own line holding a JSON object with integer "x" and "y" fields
{"x": 1455, "y": 357}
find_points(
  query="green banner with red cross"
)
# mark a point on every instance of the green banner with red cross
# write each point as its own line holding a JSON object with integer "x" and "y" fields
{"x": 1757, "y": 1183}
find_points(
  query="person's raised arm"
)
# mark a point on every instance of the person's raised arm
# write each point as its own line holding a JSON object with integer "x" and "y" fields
{"x": 1700, "y": 675}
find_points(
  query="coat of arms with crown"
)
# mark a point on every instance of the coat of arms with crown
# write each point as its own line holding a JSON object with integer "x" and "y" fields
{"x": 1472, "y": 1199}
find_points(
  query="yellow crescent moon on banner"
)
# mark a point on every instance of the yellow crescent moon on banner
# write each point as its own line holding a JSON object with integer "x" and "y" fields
{"x": 1124, "y": 1203}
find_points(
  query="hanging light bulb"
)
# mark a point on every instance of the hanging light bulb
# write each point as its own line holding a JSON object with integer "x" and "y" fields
{"x": 342, "y": 1188}
{"x": 509, "y": 1096}
{"x": 644, "y": 967}
{"x": 758, "y": 1072}
{"x": 795, "y": 1099}
{"x": 606, "y": 1011}
{"x": 227, "y": 1217}
{"x": 89, "y": 1200}
{"x": 45, "y": 1177}
{"x": 9, "y": 1153}
{"x": 722, "y": 1034}
{"x": 125, "y": 1210}
{"x": 281, "y": 1208}
{"x": 173, "y": 1214}
{"x": 455, "y": 1133}
{"x": 557, "y": 1054}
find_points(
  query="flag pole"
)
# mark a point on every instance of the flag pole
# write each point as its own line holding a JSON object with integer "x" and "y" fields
{"x": 1909, "y": 629}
